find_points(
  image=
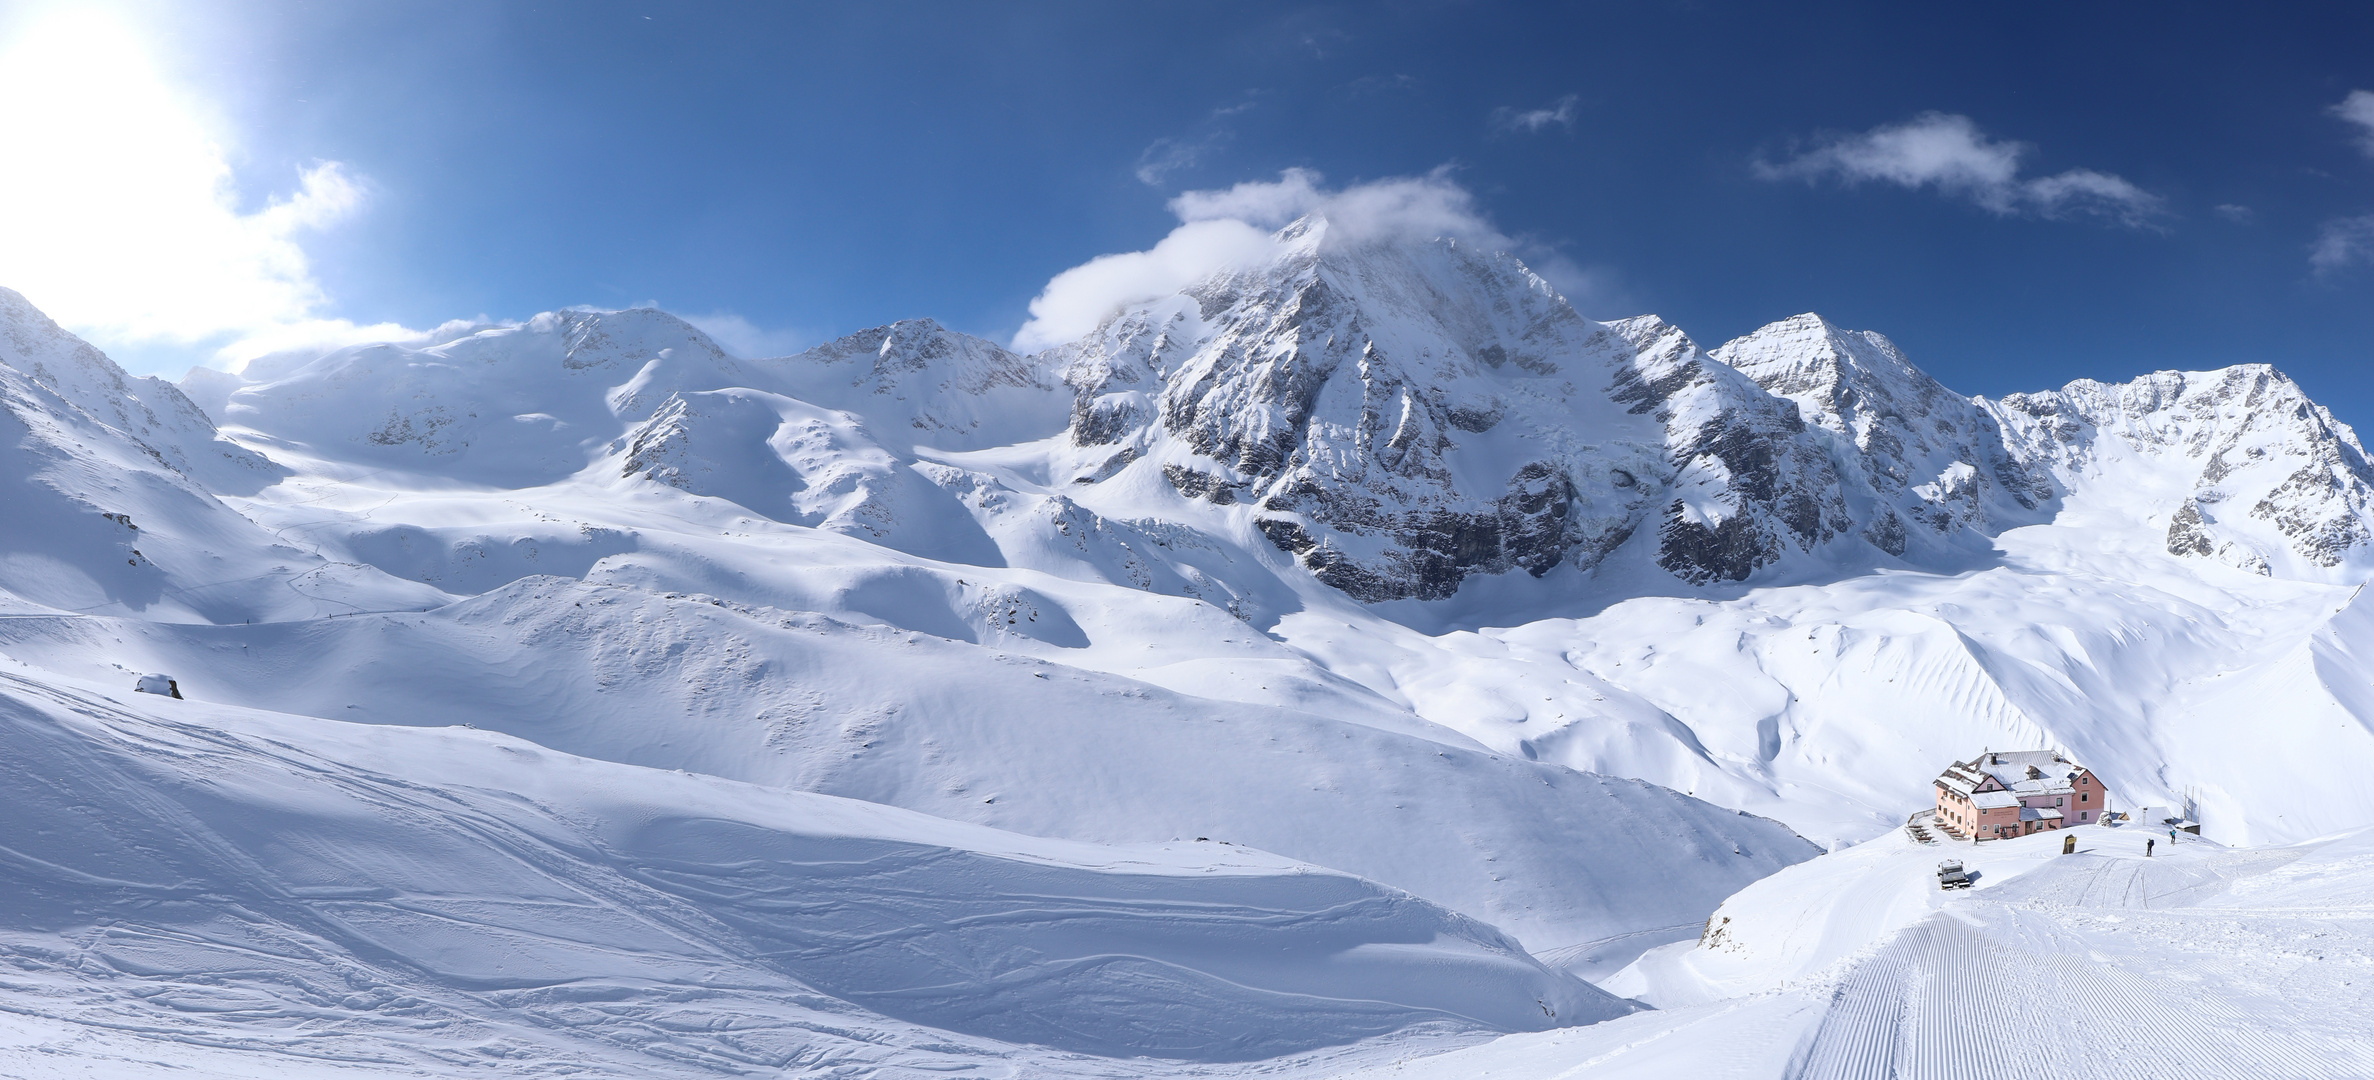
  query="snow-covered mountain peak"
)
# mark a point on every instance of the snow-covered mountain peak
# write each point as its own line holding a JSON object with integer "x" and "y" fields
{"x": 2236, "y": 464}
{"x": 1932, "y": 466}
{"x": 1402, "y": 412}
{"x": 510, "y": 405}
{"x": 1829, "y": 371}
{"x": 949, "y": 390}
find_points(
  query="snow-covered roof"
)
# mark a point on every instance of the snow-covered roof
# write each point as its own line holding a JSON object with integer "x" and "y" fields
{"x": 2028, "y": 772}
{"x": 2039, "y": 813}
{"x": 1994, "y": 800}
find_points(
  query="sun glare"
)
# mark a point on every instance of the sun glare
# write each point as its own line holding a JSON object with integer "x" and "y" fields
{"x": 118, "y": 211}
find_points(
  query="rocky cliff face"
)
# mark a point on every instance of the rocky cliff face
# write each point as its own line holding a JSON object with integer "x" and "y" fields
{"x": 1401, "y": 417}
{"x": 1749, "y": 485}
{"x": 1923, "y": 462}
{"x": 1398, "y": 418}
{"x": 1406, "y": 416}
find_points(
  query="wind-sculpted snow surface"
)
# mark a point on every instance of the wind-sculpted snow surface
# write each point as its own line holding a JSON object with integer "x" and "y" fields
{"x": 808, "y": 703}
{"x": 330, "y": 891}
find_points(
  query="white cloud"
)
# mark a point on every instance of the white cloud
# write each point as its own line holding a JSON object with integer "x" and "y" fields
{"x": 1233, "y": 226}
{"x": 1169, "y": 154}
{"x": 118, "y": 215}
{"x": 2235, "y": 212}
{"x": 1401, "y": 207}
{"x": 744, "y": 338}
{"x": 1950, "y": 154}
{"x": 1166, "y": 155}
{"x": 1529, "y": 121}
{"x": 1075, "y": 301}
{"x": 2358, "y": 108}
{"x": 2342, "y": 243}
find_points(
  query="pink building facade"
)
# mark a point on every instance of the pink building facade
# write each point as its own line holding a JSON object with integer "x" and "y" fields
{"x": 2008, "y": 793}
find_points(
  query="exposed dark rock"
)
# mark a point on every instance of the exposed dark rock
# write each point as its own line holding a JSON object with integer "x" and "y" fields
{"x": 1699, "y": 554}
{"x": 1200, "y": 485}
{"x": 2188, "y": 533}
{"x": 1288, "y": 535}
{"x": 1102, "y": 420}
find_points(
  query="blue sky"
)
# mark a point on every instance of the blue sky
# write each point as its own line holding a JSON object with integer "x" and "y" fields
{"x": 2019, "y": 194}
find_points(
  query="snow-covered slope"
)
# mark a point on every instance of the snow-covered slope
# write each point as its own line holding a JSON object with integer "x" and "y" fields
{"x": 2197, "y": 960}
{"x": 808, "y": 703}
{"x": 509, "y": 406}
{"x": 111, "y": 500}
{"x": 309, "y": 889}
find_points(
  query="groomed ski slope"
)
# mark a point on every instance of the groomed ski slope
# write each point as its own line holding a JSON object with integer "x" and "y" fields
{"x": 2199, "y": 961}
{"x": 186, "y": 876}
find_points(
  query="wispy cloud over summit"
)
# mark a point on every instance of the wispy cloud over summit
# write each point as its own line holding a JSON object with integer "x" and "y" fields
{"x": 1950, "y": 154}
{"x": 1232, "y": 226}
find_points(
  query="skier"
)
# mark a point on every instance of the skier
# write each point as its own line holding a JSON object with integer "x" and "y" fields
{"x": 2147, "y": 846}
{"x": 2171, "y": 838}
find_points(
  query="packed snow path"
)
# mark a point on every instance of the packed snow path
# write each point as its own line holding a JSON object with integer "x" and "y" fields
{"x": 2198, "y": 961}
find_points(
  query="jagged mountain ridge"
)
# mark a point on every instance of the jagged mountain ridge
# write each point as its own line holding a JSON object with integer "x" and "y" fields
{"x": 1385, "y": 424}
{"x": 1404, "y": 417}
{"x": 1925, "y": 464}
{"x": 1394, "y": 418}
